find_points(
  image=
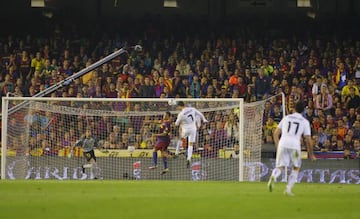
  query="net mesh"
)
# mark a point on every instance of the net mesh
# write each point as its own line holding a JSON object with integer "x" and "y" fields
{"x": 41, "y": 135}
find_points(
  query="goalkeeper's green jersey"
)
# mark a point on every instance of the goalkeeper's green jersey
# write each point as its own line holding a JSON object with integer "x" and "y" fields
{"x": 88, "y": 144}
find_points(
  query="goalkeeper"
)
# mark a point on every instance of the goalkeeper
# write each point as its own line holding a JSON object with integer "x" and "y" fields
{"x": 89, "y": 142}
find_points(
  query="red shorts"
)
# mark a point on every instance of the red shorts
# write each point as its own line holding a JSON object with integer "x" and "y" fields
{"x": 161, "y": 145}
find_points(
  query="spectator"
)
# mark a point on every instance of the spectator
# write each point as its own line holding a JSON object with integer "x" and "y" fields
{"x": 267, "y": 69}
{"x": 208, "y": 147}
{"x": 316, "y": 143}
{"x": 327, "y": 146}
{"x": 262, "y": 85}
{"x": 231, "y": 128}
{"x": 37, "y": 64}
{"x": 241, "y": 87}
{"x": 356, "y": 129}
{"x": 218, "y": 136}
{"x": 357, "y": 147}
{"x": 110, "y": 142}
{"x": 24, "y": 64}
{"x": 7, "y": 86}
{"x": 353, "y": 100}
{"x": 98, "y": 93}
{"x": 234, "y": 79}
{"x": 45, "y": 72}
{"x": 159, "y": 87}
{"x": 146, "y": 89}
{"x": 315, "y": 91}
{"x": 324, "y": 100}
{"x": 348, "y": 147}
{"x": 276, "y": 114}
{"x": 340, "y": 77}
{"x": 309, "y": 114}
{"x": 351, "y": 116}
{"x": 269, "y": 129}
{"x": 315, "y": 124}
{"x": 322, "y": 137}
{"x": 124, "y": 141}
{"x": 341, "y": 129}
{"x": 195, "y": 90}
{"x": 216, "y": 86}
{"x": 345, "y": 92}
{"x": 338, "y": 113}
{"x": 131, "y": 136}
{"x": 235, "y": 152}
{"x": 65, "y": 69}
{"x": 293, "y": 98}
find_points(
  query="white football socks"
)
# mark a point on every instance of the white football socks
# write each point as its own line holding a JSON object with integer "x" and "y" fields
{"x": 178, "y": 144}
{"x": 189, "y": 152}
{"x": 292, "y": 179}
{"x": 95, "y": 169}
{"x": 276, "y": 173}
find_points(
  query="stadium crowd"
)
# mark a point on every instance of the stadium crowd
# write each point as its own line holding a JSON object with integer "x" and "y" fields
{"x": 323, "y": 72}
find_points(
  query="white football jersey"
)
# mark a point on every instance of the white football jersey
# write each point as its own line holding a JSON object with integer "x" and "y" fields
{"x": 188, "y": 116}
{"x": 292, "y": 127}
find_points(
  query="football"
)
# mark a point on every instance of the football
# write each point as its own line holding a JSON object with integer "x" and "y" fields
{"x": 172, "y": 102}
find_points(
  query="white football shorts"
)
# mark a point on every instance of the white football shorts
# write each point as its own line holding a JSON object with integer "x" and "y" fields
{"x": 189, "y": 132}
{"x": 286, "y": 157}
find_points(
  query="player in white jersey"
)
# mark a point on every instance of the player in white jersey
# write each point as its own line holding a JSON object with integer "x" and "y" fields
{"x": 187, "y": 120}
{"x": 291, "y": 128}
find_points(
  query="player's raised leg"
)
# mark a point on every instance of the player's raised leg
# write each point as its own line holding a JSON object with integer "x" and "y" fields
{"x": 282, "y": 160}
{"x": 178, "y": 145}
{"x": 189, "y": 154}
{"x": 92, "y": 165}
{"x": 273, "y": 178}
{"x": 191, "y": 141}
{"x": 95, "y": 169}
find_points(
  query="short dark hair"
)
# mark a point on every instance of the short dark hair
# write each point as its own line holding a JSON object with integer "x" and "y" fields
{"x": 299, "y": 107}
{"x": 181, "y": 103}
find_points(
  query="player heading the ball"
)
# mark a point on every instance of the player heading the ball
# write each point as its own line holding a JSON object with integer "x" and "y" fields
{"x": 186, "y": 119}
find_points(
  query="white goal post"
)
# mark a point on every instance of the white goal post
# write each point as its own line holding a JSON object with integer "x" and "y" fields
{"x": 39, "y": 136}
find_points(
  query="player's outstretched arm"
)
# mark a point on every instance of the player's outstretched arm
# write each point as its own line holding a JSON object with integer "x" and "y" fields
{"x": 97, "y": 143}
{"x": 79, "y": 142}
{"x": 276, "y": 136}
{"x": 198, "y": 113}
{"x": 178, "y": 119}
{"x": 310, "y": 147}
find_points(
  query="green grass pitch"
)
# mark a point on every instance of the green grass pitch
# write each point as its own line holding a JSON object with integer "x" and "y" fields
{"x": 172, "y": 200}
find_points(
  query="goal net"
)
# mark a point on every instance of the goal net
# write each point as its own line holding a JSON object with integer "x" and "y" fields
{"x": 39, "y": 139}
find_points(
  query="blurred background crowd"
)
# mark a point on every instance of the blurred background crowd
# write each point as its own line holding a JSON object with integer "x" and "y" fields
{"x": 197, "y": 59}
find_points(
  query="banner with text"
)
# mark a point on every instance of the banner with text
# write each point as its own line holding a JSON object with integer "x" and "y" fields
{"x": 205, "y": 169}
